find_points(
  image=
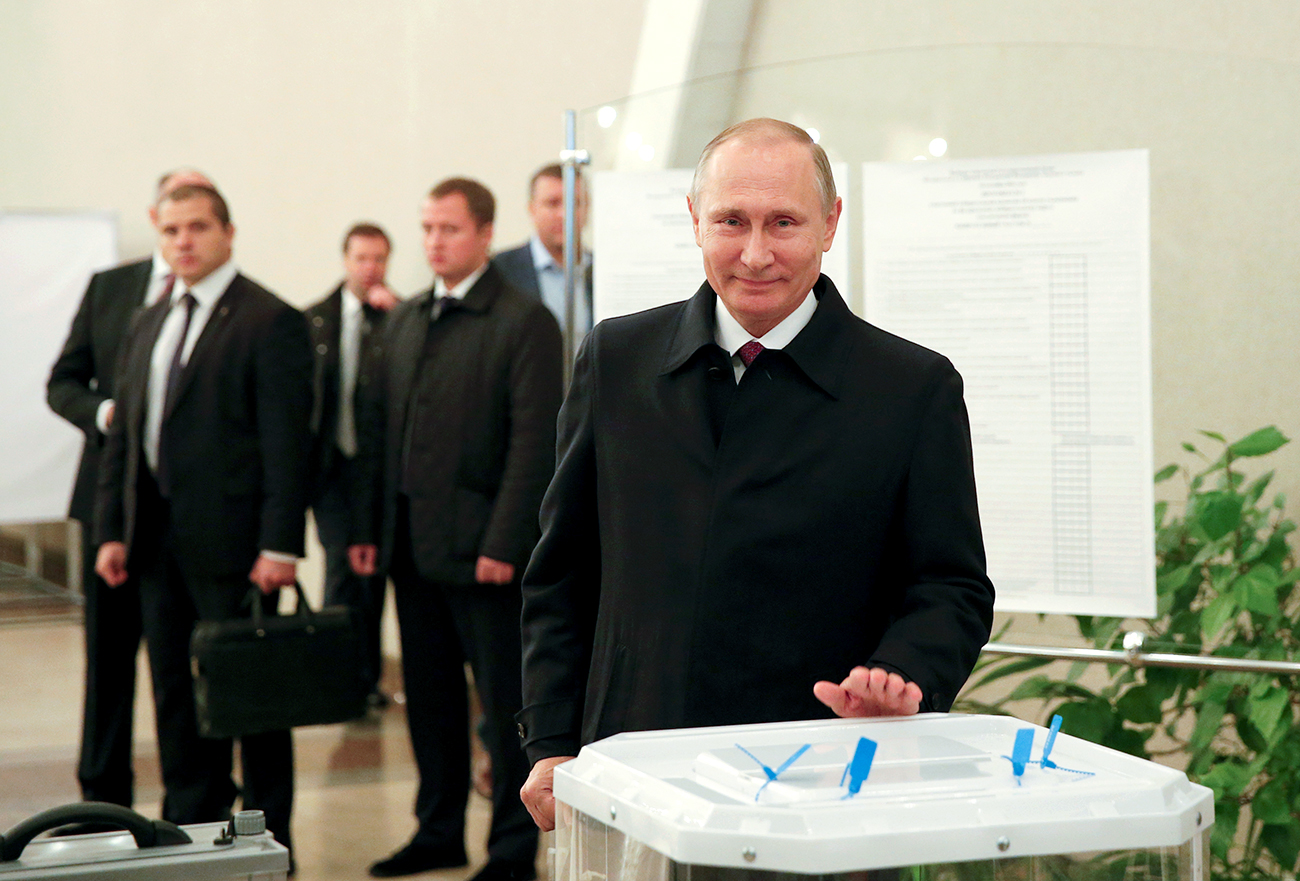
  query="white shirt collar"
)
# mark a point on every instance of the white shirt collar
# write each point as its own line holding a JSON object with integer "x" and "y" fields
{"x": 351, "y": 302}
{"x": 159, "y": 269}
{"x": 210, "y": 288}
{"x": 440, "y": 288}
{"x": 728, "y": 333}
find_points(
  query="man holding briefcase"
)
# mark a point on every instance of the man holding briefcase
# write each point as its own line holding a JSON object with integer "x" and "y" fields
{"x": 203, "y": 489}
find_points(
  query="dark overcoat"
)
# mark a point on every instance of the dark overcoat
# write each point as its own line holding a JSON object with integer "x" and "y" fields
{"x": 711, "y": 549}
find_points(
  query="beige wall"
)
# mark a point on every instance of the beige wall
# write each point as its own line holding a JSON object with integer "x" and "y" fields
{"x": 309, "y": 116}
{"x": 313, "y": 115}
{"x": 1211, "y": 88}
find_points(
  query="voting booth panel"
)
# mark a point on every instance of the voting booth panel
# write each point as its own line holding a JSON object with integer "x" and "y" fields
{"x": 927, "y": 798}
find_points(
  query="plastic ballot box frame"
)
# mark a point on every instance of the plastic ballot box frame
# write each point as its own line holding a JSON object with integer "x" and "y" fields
{"x": 951, "y": 794}
{"x": 145, "y": 850}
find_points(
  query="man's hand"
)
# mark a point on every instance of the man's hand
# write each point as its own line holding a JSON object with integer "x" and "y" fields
{"x": 110, "y": 563}
{"x": 363, "y": 559}
{"x": 271, "y": 575}
{"x": 873, "y": 692}
{"x": 538, "y": 794}
{"x": 489, "y": 571}
{"x": 381, "y": 297}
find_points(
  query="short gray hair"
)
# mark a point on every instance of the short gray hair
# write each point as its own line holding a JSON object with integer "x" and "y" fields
{"x": 772, "y": 131}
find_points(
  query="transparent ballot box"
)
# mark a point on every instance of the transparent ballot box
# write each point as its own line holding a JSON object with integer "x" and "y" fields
{"x": 967, "y": 798}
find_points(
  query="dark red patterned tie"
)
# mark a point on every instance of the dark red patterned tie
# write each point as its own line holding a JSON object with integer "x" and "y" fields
{"x": 749, "y": 351}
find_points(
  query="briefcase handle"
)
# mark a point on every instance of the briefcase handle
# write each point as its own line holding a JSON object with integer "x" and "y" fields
{"x": 146, "y": 832}
{"x": 254, "y": 599}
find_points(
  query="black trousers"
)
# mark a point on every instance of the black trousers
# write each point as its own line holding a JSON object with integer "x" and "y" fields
{"x": 113, "y": 631}
{"x": 442, "y": 626}
{"x": 196, "y": 770}
{"x": 343, "y": 587}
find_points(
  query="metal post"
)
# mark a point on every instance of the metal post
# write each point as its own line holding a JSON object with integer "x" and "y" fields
{"x": 1134, "y": 656}
{"x": 570, "y": 158}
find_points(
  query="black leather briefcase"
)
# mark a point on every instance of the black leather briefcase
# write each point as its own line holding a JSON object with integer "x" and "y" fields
{"x": 273, "y": 672}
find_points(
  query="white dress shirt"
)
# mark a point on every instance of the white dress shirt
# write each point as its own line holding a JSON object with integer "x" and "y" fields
{"x": 728, "y": 333}
{"x": 350, "y": 321}
{"x": 206, "y": 293}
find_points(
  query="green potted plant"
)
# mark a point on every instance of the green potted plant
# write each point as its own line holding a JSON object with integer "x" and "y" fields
{"x": 1226, "y": 586}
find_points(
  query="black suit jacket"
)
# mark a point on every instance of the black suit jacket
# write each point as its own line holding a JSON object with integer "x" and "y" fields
{"x": 519, "y": 270}
{"x": 517, "y": 266}
{"x": 82, "y": 376}
{"x": 236, "y": 437}
{"x": 325, "y": 323}
{"x": 710, "y": 550}
{"x": 496, "y": 368}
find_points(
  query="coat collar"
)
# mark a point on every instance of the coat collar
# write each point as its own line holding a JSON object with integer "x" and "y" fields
{"x": 478, "y": 298}
{"x": 819, "y": 350}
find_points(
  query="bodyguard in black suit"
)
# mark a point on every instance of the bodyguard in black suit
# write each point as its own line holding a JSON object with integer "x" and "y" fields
{"x": 458, "y": 445}
{"x": 81, "y": 390}
{"x": 764, "y": 507}
{"x": 345, "y": 331}
{"x": 203, "y": 489}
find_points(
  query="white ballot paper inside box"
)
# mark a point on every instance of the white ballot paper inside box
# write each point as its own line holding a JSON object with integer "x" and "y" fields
{"x": 936, "y": 794}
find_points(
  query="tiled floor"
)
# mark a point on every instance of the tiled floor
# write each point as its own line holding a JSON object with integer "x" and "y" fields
{"x": 356, "y": 782}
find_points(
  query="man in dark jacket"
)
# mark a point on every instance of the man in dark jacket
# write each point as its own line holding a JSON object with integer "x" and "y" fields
{"x": 457, "y": 447}
{"x": 764, "y": 507}
{"x": 345, "y": 330}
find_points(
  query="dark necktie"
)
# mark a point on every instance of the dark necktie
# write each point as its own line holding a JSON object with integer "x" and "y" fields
{"x": 749, "y": 351}
{"x": 163, "y": 474}
{"x": 174, "y": 371}
{"x": 442, "y": 304}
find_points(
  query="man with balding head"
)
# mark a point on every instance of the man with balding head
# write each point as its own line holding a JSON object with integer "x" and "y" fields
{"x": 81, "y": 389}
{"x": 764, "y": 507}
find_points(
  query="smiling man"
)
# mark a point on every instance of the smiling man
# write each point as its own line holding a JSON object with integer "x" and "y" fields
{"x": 764, "y": 507}
{"x": 457, "y": 444}
{"x": 203, "y": 489}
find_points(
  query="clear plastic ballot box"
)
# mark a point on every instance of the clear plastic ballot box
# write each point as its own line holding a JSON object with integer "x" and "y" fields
{"x": 926, "y": 798}
{"x": 145, "y": 850}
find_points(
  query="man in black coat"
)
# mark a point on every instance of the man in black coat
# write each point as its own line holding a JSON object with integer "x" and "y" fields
{"x": 764, "y": 507}
{"x": 81, "y": 390}
{"x": 345, "y": 330}
{"x": 457, "y": 446}
{"x": 202, "y": 489}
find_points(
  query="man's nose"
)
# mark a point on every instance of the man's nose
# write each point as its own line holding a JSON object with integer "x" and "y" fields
{"x": 757, "y": 252}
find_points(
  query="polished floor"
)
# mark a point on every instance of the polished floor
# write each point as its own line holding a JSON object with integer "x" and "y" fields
{"x": 356, "y": 782}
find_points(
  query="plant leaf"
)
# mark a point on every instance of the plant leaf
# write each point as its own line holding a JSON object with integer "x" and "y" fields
{"x": 1270, "y": 803}
{"x": 1219, "y": 612}
{"x": 1266, "y": 712}
{"x": 1257, "y": 590}
{"x": 1283, "y": 842}
{"x": 1259, "y": 443}
{"x": 1165, "y": 473}
{"x": 1140, "y": 705}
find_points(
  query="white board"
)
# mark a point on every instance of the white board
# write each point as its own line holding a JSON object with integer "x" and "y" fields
{"x": 48, "y": 258}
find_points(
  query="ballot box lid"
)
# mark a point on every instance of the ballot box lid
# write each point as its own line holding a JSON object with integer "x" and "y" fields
{"x": 940, "y": 789}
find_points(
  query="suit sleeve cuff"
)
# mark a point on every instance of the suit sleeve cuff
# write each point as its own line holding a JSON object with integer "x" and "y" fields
{"x": 280, "y": 557}
{"x": 101, "y": 415}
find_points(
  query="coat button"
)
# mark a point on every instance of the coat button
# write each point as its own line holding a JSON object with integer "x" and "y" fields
{"x": 318, "y": 321}
{"x": 321, "y": 348}
{"x": 522, "y": 732}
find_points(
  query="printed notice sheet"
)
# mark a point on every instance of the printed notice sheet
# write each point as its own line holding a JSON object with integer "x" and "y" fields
{"x": 643, "y": 245}
{"x": 1032, "y": 275}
